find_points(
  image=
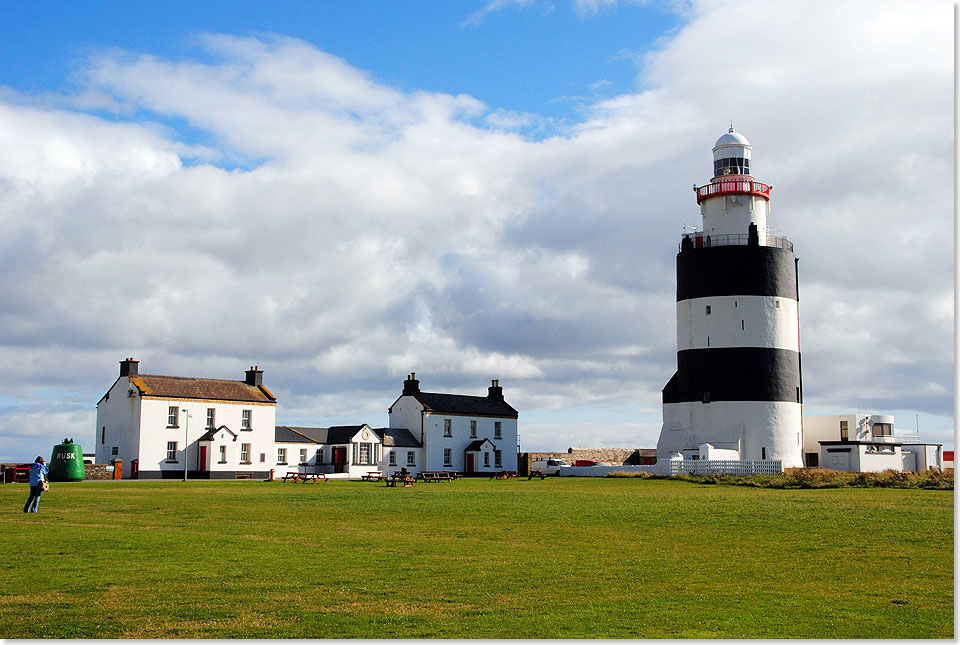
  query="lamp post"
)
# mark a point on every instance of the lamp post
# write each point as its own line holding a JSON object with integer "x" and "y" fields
{"x": 186, "y": 439}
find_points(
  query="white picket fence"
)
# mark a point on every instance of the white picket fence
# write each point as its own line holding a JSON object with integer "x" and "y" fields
{"x": 687, "y": 466}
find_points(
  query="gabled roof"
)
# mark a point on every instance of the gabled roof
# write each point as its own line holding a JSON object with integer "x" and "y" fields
{"x": 212, "y": 432}
{"x": 291, "y": 434}
{"x": 474, "y": 446}
{"x": 480, "y": 406}
{"x": 397, "y": 437}
{"x": 343, "y": 434}
{"x": 186, "y": 387}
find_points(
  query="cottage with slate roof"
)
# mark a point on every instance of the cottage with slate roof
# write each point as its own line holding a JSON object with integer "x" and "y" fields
{"x": 350, "y": 450}
{"x": 160, "y": 425}
{"x": 468, "y": 434}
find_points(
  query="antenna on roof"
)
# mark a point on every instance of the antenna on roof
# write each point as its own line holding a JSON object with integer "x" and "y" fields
{"x": 731, "y": 126}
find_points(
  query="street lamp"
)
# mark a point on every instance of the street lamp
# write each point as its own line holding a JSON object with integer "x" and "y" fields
{"x": 186, "y": 439}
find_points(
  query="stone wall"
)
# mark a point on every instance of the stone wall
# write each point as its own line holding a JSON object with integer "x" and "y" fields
{"x": 100, "y": 471}
{"x": 606, "y": 456}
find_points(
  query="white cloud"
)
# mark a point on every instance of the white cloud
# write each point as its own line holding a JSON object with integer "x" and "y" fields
{"x": 376, "y": 232}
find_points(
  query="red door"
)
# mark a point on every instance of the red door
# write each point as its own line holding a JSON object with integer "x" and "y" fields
{"x": 469, "y": 462}
{"x": 203, "y": 459}
{"x": 339, "y": 459}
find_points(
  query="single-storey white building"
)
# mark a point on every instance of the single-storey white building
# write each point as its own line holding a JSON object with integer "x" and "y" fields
{"x": 352, "y": 451}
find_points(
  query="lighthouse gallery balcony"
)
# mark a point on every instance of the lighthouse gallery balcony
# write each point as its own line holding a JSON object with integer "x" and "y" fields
{"x": 700, "y": 240}
{"x": 728, "y": 186}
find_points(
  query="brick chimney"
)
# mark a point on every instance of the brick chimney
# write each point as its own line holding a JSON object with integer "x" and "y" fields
{"x": 129, "y": 367}
{"x": 254, "y": 376}
{"x": 495, "y": 392}
{"x": 411, "y": 386}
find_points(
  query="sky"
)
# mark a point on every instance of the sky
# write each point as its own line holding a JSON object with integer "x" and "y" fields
{"x": 343, "y": 193}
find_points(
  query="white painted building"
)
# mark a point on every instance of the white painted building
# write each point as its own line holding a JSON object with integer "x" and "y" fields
{"x": 159, "y": 425}
{"x": 350, "y": 451}
{"x": 737, "y": 386}
{"x": 463, "y": 433}
{"x": 865, "y": 443}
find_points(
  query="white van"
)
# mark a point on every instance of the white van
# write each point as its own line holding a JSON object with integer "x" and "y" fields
{"x": 549, "y": 466}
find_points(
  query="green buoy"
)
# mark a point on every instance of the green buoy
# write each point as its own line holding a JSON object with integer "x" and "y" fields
{"x": 66, "y": 463}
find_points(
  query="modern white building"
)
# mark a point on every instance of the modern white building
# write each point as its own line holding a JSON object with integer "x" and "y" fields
{"x": 164, "y": 425}
{"x": 468, "y": 434}
{"x": 737, "y": 386}
{"x": 865, "y": 443}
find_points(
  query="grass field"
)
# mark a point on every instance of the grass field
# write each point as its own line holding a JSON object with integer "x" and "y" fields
{"x": 560, "y": 558}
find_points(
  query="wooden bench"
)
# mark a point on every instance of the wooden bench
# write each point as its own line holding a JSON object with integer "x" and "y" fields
{"x": 536, "y": 473}
{"x": 372, "y": 476}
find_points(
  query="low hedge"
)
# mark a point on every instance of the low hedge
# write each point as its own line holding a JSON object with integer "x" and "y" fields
{"x": 818, "y": 478}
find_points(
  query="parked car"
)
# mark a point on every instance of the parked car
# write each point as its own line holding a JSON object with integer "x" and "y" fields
{"x": 548, "y": 466}
{"x": 586, "y": 462}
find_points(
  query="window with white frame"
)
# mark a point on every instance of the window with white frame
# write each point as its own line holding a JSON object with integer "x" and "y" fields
{"x": 320, "y": 455}
{"x": 245, "y": 453}
{"x": 497, "y": 459}
{"x": 447, "y": 427}
{"x": 171, "y": 451}
{"x": 392, "y": 455}
{"x": 411, "y": 458}
{"x": 486, "y": 460}
{"x": 303, "y": 455}
{"x": 263, "y": 457}
{"x": 281, "y": 455}
{"x": 447, "y": 457}
{"x": 473, "y": 429}
{"x": 223, "y": 454}
{"x": 364, "y": 455}
{"x": 173, "y": 415}
{"x": 211, "y": 417}
{"x": 497, "y": 430}
{"x": 246, "y": 420}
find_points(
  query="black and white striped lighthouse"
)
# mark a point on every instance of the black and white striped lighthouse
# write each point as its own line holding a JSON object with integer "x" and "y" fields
{"x": 737, "y": 384}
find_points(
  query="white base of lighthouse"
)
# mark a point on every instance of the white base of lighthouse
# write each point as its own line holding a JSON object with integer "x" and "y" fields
{"x": 757, "y": 429}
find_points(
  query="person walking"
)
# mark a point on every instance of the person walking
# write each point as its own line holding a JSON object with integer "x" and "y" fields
{"x": 38, "y": 477}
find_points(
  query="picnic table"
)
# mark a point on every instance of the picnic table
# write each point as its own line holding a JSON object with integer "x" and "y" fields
{"x": 406, "y": 480}
{"x": 436, "y": 476}
{"x": 536, "y": 473}
{"x": 372, "y": 476}
{"x": 305, "y": 477}
{"x": 504, "y": 474}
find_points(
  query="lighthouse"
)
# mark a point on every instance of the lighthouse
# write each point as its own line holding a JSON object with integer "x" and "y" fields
{"x": 737, "y": 384}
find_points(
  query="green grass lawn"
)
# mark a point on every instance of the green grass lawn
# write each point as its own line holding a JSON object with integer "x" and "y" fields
{"x": 560, "y": 558}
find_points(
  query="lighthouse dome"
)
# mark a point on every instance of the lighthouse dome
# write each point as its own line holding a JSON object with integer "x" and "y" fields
{"x": 732, "y": 138}
{"x": 731, "y": 155}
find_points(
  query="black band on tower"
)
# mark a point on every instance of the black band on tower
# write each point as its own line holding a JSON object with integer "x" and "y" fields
{"x": 735, "y": 374}
{"x": 736, "y": 271}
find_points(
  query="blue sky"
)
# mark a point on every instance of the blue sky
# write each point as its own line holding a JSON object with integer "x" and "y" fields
{"x": 540, "y": 57}
{"x": 346, "y": 192}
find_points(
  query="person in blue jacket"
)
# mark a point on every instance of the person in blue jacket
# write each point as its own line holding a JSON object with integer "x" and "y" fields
{"x": 38, "y": 475}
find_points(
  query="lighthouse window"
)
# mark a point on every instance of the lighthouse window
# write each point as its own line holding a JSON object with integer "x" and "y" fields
{"x": 706, "y": 397}
{"x": 731, "y": 166}
{"x": 707, "y": 310}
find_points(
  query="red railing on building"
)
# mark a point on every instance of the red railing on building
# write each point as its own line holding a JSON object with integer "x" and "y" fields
{"x": 733, "y": 187}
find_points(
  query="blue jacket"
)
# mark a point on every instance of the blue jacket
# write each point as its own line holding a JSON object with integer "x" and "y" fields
{"x": 38, "y": 472}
